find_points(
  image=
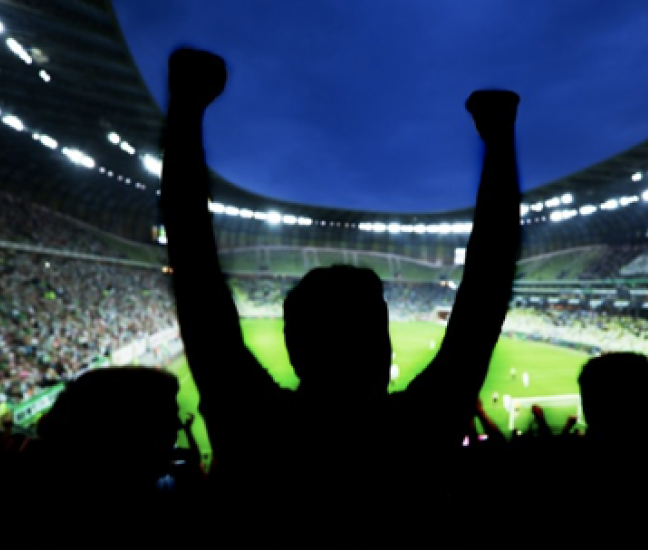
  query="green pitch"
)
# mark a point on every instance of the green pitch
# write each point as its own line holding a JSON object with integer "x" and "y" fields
{"x": 552, "y": 370}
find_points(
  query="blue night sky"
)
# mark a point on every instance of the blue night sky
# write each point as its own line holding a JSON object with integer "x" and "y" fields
{"x": 360, "y": 103}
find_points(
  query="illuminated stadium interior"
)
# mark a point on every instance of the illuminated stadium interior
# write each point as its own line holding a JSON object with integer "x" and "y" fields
{"x": 80, "y": 236}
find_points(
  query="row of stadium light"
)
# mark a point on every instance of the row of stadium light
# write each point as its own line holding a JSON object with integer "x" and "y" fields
{"x": 585, "y": 210}
{"x": 75, "y": 156}
{"x": 150, "y": 163}
{"x": 539, "y": 206}
{"x": 153, "y": 165}
{"x": 457, "y": 228}
{"x": 19, "y": 51}
{"x": 272, "y": 217}
{"x": 441, "y": 228}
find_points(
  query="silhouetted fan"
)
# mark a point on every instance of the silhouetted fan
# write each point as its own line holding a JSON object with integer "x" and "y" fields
{"x": 339, "y": 459}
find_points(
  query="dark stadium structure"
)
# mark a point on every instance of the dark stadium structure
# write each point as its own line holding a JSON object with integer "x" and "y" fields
{"x": 95, "y": 89}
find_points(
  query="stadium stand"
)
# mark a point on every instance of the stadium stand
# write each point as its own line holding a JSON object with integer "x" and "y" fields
{"x": 69, "y": 295}
{"x": 80, "y": 278}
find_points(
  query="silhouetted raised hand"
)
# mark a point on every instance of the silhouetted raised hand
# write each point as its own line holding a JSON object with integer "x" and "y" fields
{"x": 494, "y": 112}
{"x": 196, "y": 77}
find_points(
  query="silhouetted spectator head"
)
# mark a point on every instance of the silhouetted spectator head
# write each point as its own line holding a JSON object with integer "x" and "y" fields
{"x": 336, "y": 327}
{"x": 614, "y": 392}
{"x": 120, "y": 421}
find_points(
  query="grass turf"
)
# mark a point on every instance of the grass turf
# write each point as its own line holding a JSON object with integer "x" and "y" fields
{"x": 552, "y": 370}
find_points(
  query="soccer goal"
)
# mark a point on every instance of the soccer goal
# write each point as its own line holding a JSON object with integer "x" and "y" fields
{"x": 557, "y": 408}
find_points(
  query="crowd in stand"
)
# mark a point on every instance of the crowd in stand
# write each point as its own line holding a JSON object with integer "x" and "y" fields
{"x": 612, "y": 261}
{"x": 589, "y": 328}
{"x": 59, "y": 314}
{"x": 263, "y": 296}
{"x": 338, "y": 462}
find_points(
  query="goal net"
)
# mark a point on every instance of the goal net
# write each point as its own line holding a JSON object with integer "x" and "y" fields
{"x": 557, "y": 409}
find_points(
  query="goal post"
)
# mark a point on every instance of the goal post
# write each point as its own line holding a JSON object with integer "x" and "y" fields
{"x": 556, "y": 407}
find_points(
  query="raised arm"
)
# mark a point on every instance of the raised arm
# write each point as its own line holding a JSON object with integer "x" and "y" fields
{"x": 223, "y": 368}
{"x": 449, "y": 387}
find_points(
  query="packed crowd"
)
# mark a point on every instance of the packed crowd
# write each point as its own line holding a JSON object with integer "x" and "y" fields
{"x": 58, "y": 314}
{"x": 591, "y": 329}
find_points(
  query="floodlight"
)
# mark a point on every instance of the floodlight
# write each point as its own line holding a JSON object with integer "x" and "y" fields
{"x": 644, "y": 195}
{"x": 49, "y": 142}
{"x": 524, "y": 209}
{"x": 407, "y": 228}
{"x": 394, "y": 228}
{"x": 556, "y": 216}
{"x": 127, "y": 181}
{"x": 611, "y": 204}
{"x": 2, "y": 28}
{"x": 231, "y": 211}
{"x": 461, "y": 227}
{"x": 125, "y": 146}
{"x": 379, "y": 227}
{"x": 36, "y": 136}
{"x": 152, "y": 164}
{"x": 260, "y": 216}
{"x": 17, "y": 49}
{"x": 304, "y": 221}
{"x": 552, "y": 203}
{"x": 433, "y": 228}
{"x": 637, "y": 176}
{"x": 445, "y": 228}
{"x": 587, "y": 210}
{"x": 567, "y": 198}
{"x": 367, "y": 226}
{"x": 77, "y": 157}
{"x": 625, "y": 201}
{"x": 44, "y": 75}
{"x": 13, "y": 122}
{"x": 419, "y": 228}
{"x": 274, "y": 218}
{"x": 216, "y": 208}
{"x": 245, "y": 213}
{"x": 537, "y": 207}
{"x": 114, "y": 138}
{"x": 290, "y": 220}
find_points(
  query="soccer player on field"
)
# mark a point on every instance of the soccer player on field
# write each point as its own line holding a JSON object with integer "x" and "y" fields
{"x": 513, "y": 372}
{"x": 506, "y": 402}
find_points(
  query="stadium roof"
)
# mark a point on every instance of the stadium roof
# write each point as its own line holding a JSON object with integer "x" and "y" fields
{"x": 92, "y": 87}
